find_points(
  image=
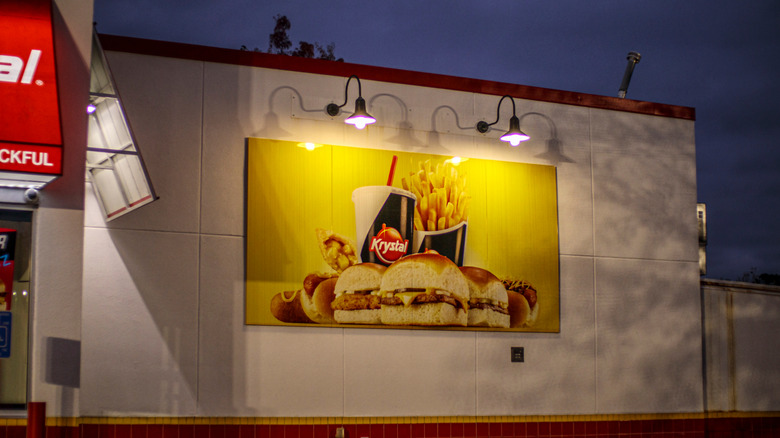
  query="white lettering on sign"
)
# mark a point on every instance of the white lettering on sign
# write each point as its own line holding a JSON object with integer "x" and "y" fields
{"x": 3, "y": 240}
{"x": 25, "y": 157}
{"x": 11, "y": 67}
{"x": 383, "y": 247}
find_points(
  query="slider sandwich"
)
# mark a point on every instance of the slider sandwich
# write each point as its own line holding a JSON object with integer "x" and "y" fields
{"x": 357, "y": 295}
{"x": 488, "y": 302}
{"x": 424, "y": 289}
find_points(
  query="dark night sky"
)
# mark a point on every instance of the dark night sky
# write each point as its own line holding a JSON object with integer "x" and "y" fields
{"x": 720, "y": 57}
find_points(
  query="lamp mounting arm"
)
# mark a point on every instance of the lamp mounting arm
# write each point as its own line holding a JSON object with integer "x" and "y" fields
{"x": 332, "y": 109}
{"x": 483, "y": 126}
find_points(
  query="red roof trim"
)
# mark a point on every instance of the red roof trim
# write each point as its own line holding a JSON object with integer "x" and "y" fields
{"x": 383, "y": 74}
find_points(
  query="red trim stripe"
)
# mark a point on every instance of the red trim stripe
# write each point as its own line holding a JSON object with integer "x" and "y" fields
{"x": 766, "y": 426}
{"x": 132, "y": 204}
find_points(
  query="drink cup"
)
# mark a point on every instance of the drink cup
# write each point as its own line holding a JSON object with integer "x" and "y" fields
{"x": 384, "y": 221}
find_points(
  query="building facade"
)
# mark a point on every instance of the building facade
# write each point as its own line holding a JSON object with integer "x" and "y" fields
{"x": 144, "y": 316}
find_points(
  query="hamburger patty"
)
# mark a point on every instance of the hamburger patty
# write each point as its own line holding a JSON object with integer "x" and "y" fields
{"x": 356, "y": 301}
{"x": 422, "y": 298}
{"x": 487, "y": 306}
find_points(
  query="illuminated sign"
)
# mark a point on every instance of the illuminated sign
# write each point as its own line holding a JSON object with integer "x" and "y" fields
{"x": 30, "y": 158}
{"x": 11, "y": 68}
{"x": 30, "y": 134}
{"x": 469, "y": 245}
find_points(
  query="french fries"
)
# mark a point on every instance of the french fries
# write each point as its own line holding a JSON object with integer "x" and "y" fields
{"x": 442, "y": 199}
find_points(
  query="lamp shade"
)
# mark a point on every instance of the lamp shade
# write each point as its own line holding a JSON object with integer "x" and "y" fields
{"x": 514, "y": 136}
{"x": 360, "y": 118}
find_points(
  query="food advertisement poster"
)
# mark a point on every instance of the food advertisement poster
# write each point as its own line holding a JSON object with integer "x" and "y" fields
{"x": 354, "y": 237}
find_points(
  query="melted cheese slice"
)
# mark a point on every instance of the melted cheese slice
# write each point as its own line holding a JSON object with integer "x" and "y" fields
{"x": 408, "y": 297}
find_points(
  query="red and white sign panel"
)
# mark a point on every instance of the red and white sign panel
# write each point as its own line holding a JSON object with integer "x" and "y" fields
{"x": 30, "y": 158}
{"x": 29, "y": 107}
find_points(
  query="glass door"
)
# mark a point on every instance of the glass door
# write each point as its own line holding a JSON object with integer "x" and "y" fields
{"x": 15, "y": 249}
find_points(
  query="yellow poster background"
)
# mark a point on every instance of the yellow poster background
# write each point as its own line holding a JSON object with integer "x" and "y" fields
{"x": 291, "y": 191}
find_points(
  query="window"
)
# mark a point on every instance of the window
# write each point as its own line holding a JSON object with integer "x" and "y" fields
{"x": 15, "y": 257}
{"x": 114, "y": 164}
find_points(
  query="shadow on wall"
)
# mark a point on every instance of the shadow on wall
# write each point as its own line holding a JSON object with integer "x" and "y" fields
{"x": 63, "y": 368}
{"x": 756, "y": 367}
{"x": 272, "y": 128}
{"x": 642, "y": 188}
{"x": 648, "y": 338}
{"x": 184, "y": 361}
{"x": 63, "y": 362}
{"x": 434, "y": 142}
{"x": 553, "y": 153}
{"x": 161, "y": 271}
{"x": 405, "y": 137}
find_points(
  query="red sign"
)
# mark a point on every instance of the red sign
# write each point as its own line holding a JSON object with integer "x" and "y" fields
{"x": 30, "y": 158}
{"x": 28, "y": 88}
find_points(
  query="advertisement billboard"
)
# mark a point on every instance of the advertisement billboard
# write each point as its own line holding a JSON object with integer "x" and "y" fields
{"x": 356, "y": 237}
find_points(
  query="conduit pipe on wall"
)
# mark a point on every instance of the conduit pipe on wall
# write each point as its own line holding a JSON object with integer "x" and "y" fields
{"x": 633, "y": 60}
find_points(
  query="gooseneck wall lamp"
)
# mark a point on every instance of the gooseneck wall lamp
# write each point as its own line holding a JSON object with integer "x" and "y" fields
{"x": 360, "y": 118}
{"x": 514, "y": 136}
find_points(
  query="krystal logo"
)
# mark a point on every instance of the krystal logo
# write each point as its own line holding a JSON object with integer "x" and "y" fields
{"x": 388, "y": 245}
{"x": 12, "y": 67}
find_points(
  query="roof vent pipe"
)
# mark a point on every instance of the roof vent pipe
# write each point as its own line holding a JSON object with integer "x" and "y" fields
{"x": 633, "y": 59}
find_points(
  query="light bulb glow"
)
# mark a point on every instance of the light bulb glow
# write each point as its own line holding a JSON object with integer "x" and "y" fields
{"x": 456, "y": 160}
{"x": 91, "y": 108}
{"x": 360, "y": 122}
{"x": 309, "y": 146}
{"x": 514, "y": 139}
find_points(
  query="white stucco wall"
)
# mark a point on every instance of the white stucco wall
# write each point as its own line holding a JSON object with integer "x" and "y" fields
{"x": 741, "y": 323}
{"x": 163, "y": 330}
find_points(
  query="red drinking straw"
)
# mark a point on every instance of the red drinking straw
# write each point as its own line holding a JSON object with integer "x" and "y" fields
{"x": 392, "y": 171}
